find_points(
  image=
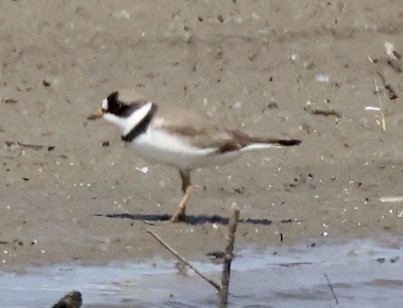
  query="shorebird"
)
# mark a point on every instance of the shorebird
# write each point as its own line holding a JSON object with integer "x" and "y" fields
{"x": 179, "y": 138}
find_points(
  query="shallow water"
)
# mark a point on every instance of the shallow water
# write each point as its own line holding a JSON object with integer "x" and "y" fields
{"x": 363, "y": 273}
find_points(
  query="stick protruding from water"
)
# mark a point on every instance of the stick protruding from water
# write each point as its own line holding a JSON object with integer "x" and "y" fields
{"x": 229, "y": 254}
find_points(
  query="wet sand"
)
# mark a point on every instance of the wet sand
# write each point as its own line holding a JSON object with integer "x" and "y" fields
{"x": 298, "y": 70}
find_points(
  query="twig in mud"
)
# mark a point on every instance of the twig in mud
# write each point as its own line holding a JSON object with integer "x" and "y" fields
{"x": 394, "y": 57}
{"x": 226, "y": 272}
{"x": 391, "y": 199}
{"x": 326, "y": 113}
{"x": 380, "y": 106}
{"x": 9, "y": 100}
{"x": 171, "y": 250}
{"x": 13, "y": 242}
{"x": 373, "y": 61}
{"x": 35, "y": 147}
{"x": 391, "y": 92}
{"x": 331, "y": 288}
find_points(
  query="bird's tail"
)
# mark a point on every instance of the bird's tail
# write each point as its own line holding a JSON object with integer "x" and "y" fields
{"x": 272, "y": 143}
{"x": 282, "y": 142}
{"x": 250, "y": 143}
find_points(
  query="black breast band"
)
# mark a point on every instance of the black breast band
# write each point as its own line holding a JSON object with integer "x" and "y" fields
{"x": 141, "y": 127}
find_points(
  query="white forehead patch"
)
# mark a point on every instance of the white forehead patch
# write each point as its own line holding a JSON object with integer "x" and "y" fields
{"x": 105, "y": 104}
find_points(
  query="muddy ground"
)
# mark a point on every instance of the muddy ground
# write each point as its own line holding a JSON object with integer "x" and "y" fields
{"x": 300, "y": 69}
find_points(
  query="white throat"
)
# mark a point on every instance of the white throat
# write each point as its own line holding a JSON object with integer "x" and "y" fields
{"x": 125, "y": 125}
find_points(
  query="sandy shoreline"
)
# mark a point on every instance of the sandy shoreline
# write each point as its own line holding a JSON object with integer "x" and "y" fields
{"x": 266, "y": 67}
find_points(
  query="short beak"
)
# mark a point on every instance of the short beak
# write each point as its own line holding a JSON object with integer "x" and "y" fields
{"x": 98, "y": 114}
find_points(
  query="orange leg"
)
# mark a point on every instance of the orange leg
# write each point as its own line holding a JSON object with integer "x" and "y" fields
{"x": 180, "y": 212}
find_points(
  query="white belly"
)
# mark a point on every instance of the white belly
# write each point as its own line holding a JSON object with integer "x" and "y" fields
{"x": 161, "y": 147}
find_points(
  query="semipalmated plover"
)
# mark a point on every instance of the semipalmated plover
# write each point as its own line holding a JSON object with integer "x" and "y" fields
{"x": 178, "y": 138}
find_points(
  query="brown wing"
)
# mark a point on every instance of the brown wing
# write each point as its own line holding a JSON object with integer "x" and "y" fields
{"x": 196, "y": 129}
{"x": 202, "y": 132}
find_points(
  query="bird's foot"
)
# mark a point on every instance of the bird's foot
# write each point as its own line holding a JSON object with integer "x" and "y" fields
{"x": 180, "y": 212}
{"x": 178, "y": 216}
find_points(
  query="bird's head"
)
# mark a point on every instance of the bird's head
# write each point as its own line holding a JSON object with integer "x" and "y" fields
{"x": 123, "y": 110}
